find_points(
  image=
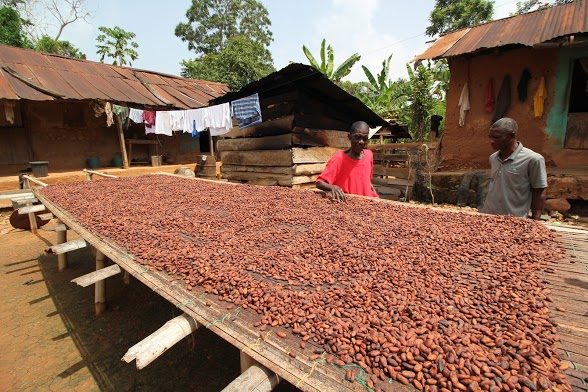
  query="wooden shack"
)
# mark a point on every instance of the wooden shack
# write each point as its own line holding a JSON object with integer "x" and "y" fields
{"x": 306, "y": 118}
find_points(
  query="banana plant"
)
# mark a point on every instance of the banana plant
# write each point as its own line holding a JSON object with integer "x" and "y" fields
{"x": 327, "y": 64}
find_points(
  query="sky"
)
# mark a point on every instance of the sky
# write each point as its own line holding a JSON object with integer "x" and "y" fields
{"x": 375, "y": 29}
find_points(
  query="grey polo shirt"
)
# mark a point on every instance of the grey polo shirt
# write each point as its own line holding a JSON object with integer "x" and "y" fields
{"x": 512, "y": 180}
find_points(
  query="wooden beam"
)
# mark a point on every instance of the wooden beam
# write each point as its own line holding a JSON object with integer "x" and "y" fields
{"x": 61, "y": 239}
{"x": 121, "y": 141}
{"x": 99, "y": 287}
{"x": 23, "y": 193}
{"x": 32, "y": 217}
{"x": 278, "y": 142}
{"x": 150, "y": 348}
{"x": 256, "y": 378}
{"x": 277, "y": 126}
{"x": 47, "y": 216}
{"x": 313, "y": 154}
{"x": 320, "y": 137}
{"x": 257, "y": 158}
{"x": 98, "y": 275}
{"x": 18, "y": 203}
{"x": 301, "y": 169}
{"x": 34, "y": 180}
{"x": 67, "y": 246}
{"x": 31, "y": 209}
{"x": 97, "y": 173}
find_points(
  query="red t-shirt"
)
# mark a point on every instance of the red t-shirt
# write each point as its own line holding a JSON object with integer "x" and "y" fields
{"x": 353, "y": 176}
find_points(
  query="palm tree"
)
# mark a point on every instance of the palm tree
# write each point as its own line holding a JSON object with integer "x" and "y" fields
{"x": 117, "y": 44}
{"x": 327, "y": 64}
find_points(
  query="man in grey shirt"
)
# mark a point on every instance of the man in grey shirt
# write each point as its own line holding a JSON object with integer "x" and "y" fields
{"x": 518, "y": 178}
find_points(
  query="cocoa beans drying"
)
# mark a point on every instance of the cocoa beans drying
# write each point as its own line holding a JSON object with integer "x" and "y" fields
{"x": 439, "y": 300}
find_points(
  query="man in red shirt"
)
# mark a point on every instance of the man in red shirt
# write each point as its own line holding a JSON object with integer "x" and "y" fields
{"x": 350, "y": 171}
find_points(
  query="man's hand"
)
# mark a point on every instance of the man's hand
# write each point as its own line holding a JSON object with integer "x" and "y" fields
{"x": 337, "y": 193}
{"x": 334, "y": 191}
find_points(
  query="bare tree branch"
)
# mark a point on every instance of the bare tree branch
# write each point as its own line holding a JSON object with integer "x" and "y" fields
{"x": 76, "y": 11}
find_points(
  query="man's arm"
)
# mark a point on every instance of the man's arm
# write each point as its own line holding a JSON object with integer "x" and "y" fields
{"x": 537, "y": 202}
{"x": 335, "y": 191}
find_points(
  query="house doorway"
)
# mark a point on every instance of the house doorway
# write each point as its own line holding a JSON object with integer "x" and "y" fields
{"x": 577, "y": 130}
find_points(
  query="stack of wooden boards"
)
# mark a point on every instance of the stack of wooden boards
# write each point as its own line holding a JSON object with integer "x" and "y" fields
{"x": 277, "y": 152}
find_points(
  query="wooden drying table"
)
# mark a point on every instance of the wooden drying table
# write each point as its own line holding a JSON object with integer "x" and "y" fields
{"x": 234, "y": 325}
{"x": 567, "y": 279}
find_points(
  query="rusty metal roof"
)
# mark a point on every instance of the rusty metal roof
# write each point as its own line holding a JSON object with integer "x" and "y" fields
{"x": 343, "y": 106}
{"x": 30, "y": 75}
{"x": 527, "y": 29}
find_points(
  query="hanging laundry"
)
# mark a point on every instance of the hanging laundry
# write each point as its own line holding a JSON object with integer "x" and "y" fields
{"x": 136, "y": 115}
{"x": 149, "y": 120}
{"x": 503, "y": 99}
{"x": 523, "y": 85}
{"x": 218, "y": 131}
{"x": 539, "y": 98}
{"x": 247, "y": 110}
{"x": 163, "y": 124}
{"x": 177, "y": 119}
{"x": 464, "y": 104}
{"x": 122, "y": 112}
{"x": 9, "y": 111}
{"x": 194, "y": 120}
{"x": 219, "y": 118}
{"x": 489, "y": 98}
{"x": 108, "y": 111}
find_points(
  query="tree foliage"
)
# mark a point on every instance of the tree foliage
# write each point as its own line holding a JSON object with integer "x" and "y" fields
{"x": 11, "y": 29}
{"x": 533, "y": 5}
{"x": 327, "y": 64}
{"x": 117, "y": 44}
{"x": 239, "y": 62}
{"x": 450, "y": 15}
{"x": 47, "y": 44}
{"x": 211, "y": 23}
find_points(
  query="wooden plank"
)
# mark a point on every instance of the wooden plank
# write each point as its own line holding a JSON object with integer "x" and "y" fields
{"x": 256, "y": 378}
{"x": 319, "y": 122}
{"x": 31, "y": 209}
{"x": 298, "y": 180}
{"x": 276, "y": 126}
{"x": 258, "y": 169}
{"x": 93, "y": 172}
{"x": 47, "y": 216}
{"x": 269, "y": 352}
{"x": 403, "y": 146}
{"x": 93, "y": 277}
{"x": 380, "y": 156}
{"x": 18, "y": 203}
{"x": 150, "y": 348}
{"x": 22, "y": 193}
{"x": 258, "y": 158}
{"x": 320, "y": 137}
{"x": 279, "y": 142}
{"x": 301, "y": 169}
{"x": 252, "y": 176}
{"x": 398, "y": 172}
{"x": 68, "y": 246}
{"x": 313, "y": 154}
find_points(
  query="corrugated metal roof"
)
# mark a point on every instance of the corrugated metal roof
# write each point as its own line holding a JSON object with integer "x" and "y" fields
{"x": 311, "y": 81}
{"x": 527, "y": 29}
{"x": 26, "y": 74}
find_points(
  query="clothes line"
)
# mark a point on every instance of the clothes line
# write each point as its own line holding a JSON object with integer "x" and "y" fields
{"x": 217, "y": 119}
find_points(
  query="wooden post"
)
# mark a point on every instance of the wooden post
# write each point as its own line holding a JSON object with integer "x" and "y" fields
{"x": 99, "y": 287}
{"x": 150, "y": 348}
{"x": 211, "y": 145}
{"x": 32, "y": 217}
{"x": 126, "y": 278}
{"x": 88, "y": 176}
{"x": 61, "y": 238}
{"x": 255, "y": 378}
{"x": 246, "y": 361}
{"x": 121, "y": 140}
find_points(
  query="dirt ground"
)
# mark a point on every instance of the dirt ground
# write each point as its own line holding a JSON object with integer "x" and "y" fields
{"x": 50, "y": 339}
